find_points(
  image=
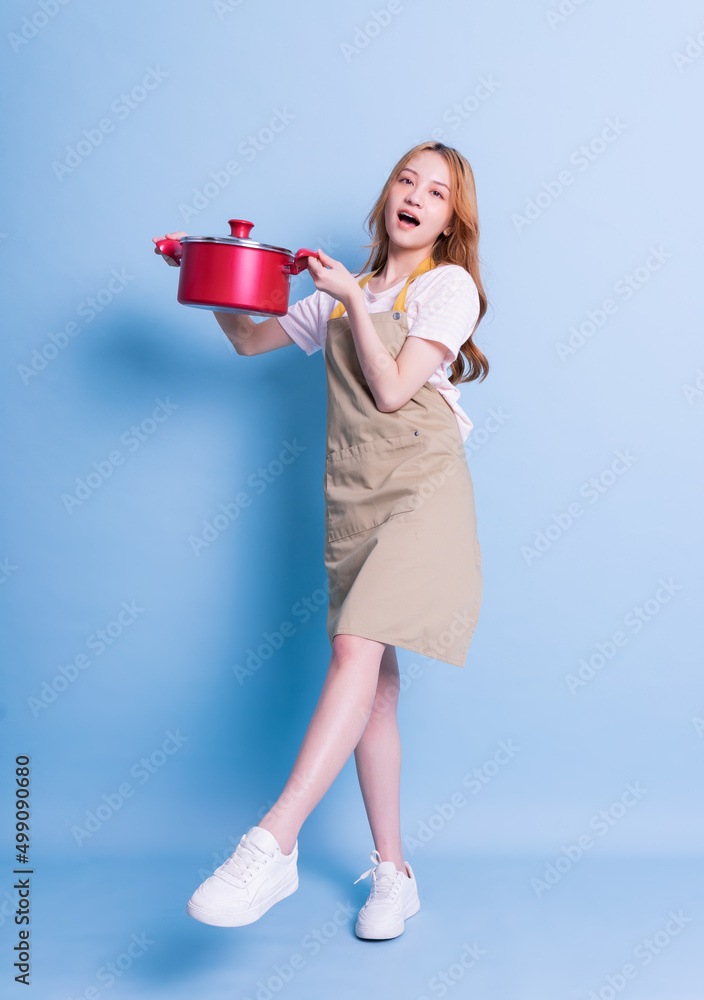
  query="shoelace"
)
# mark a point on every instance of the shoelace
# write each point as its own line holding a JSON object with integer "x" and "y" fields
{"x": 384, "y": 886}
{"x": 242, "y": 864}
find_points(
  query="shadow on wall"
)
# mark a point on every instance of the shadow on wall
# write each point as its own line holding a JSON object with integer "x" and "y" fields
{"x": 261, "y": 404}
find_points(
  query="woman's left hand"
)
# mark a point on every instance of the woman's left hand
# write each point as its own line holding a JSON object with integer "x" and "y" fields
{"x": 332, "y": 277}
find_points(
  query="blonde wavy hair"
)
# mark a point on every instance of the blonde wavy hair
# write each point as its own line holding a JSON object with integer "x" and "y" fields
{"x": 460, "y": 247}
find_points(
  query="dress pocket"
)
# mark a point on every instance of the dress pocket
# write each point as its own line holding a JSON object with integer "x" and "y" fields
{"x": 370, "y": 482}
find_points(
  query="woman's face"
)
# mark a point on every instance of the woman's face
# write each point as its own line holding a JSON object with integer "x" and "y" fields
{"x": 422, "y": 189}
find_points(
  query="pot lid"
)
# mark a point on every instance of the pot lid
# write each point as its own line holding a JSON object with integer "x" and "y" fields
{"x": 239, "y": 235}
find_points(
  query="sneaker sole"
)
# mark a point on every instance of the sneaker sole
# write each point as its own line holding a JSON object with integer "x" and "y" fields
{"x": 243, "y": 917}
{"x": 384, "y": 933}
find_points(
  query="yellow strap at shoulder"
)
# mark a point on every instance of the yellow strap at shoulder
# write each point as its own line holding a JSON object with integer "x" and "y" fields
{"x": 427, "y": 265}
{"x": 339, "y": 309}
{"x": 400, "y": 303}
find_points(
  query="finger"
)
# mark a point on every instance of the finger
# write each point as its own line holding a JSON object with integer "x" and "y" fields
{"x": 169, "y": 236}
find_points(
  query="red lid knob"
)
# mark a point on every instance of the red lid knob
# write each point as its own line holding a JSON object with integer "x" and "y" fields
{"x": 240, "y": 228}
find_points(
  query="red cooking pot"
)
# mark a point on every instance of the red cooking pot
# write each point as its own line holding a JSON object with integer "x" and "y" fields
{"x": 233, "y": 273}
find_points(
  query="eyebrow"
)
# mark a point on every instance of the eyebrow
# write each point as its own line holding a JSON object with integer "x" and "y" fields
{"x": 440, "y": 183}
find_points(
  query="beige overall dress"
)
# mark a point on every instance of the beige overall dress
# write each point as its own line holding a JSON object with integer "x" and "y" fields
{"x": 401, "y": 548}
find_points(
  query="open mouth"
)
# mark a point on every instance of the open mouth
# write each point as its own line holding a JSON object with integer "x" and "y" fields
{"x": 407, "y": 220}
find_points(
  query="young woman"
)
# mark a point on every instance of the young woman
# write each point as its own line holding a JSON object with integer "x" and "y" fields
{"x": 401, "y": 547}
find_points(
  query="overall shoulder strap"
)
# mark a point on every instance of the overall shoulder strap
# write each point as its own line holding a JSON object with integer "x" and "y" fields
{"x": 339, "y": 309}
{"x": 426, "y": 265}
{"x": 400, "y": 302}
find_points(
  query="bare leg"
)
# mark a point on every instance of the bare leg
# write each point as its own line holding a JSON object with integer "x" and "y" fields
{"x": 338, "y": 721}
{"x": 378, "y": 759}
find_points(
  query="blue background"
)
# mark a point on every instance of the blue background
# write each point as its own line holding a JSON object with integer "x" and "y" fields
{"x": 519, "y": 96}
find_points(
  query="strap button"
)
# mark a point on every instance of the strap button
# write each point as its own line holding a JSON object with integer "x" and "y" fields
{"x": 416, "y": 433}
{"x": 397, "y": 315}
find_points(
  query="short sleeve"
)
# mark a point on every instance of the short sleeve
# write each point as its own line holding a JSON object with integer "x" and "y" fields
{"x": 447, "y": 308}
{"x": 306, "y": 320}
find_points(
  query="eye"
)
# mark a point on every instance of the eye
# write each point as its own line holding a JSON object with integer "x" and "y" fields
{"x": 402, "y": 179}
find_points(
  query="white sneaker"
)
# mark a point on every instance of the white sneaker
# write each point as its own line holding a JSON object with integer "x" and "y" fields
{"x": 254, "y": 877}
{"x": 393, "y": 898}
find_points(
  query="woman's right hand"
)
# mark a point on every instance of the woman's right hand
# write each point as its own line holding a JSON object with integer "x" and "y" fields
{"x": 168, "y": 236}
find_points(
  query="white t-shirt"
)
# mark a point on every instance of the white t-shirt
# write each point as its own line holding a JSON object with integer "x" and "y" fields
{"x": 441, "y": 304}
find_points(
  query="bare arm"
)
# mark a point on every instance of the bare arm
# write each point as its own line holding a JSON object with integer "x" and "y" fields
{"x": 392, "y": 382}
{"x": 248, "y": 337}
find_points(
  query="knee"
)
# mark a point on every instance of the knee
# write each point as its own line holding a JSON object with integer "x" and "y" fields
{"x": 355, "y": 663}
{"x": 352, "y": 651}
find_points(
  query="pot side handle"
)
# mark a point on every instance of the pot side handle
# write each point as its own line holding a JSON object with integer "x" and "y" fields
{"x": 299, "y": 264}
{"x": 171, "y": 248}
